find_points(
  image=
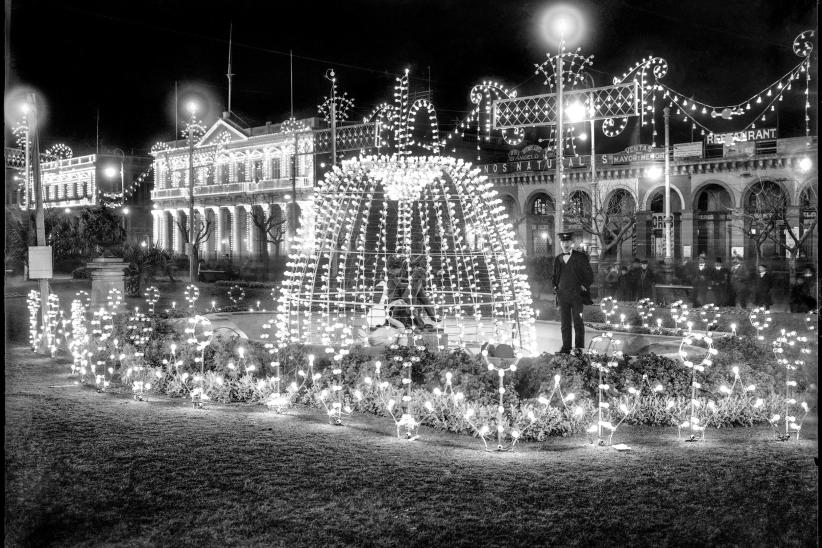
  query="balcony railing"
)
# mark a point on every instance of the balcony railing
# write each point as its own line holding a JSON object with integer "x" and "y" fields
{"x": 250, "y": 187}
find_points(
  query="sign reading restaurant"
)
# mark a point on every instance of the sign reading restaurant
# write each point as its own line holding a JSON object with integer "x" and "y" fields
{"x": 535, "y": 158}
{"x": 763, "y": 134}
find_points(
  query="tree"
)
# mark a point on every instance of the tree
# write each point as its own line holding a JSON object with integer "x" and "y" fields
{"x": 273, "y": 228}
{"x": 201, "y": 236}
{"x": 102, "y": 228}
{"x": 763, "y": 218}
{"x": 610, "y": 222}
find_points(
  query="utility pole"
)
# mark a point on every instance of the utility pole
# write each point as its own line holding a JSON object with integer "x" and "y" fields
{"x": 595, "y": 190}
{"x": 294, "y": 186}
{"x": 39, "y": 216}
{"x": 669, "y": 221}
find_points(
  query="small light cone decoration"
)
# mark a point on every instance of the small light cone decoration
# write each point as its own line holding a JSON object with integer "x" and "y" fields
{"x": 501, "y": 421}
{"x": 679, "y": 314}
{"x": 401, "y": 414}
{"x": 115, "y": 301}
{"x": 603, "y": 354}
{"x": 789, "y": 349}
{"x": 709, "y": 316}
{"x": 192, "y": 293}
{"x": 696, "y": 359}
{"x": 33, "y": 302}
{"x": 760, "y": 318}
{"x": 332, "y": 397}
{"x": 433, "y": 224}
{"x": 199, "y": 333}
{"x": 609, "y": 308}
{"x": 645, "y": 308}
{"x": 152, "y": 296}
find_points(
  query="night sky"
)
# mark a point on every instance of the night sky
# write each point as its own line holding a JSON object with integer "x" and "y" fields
{"x": 123, "y": 58}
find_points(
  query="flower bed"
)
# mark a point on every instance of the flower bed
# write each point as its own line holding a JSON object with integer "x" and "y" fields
{"x": 230, "y": 369}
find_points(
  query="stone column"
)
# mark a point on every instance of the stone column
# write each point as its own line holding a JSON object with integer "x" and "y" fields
{"x": 175, "y": 231}
{"x": 217, "y": 231}
{"x": 249, "y": 229}
{"x": 686, "y": 227}
{"x": 235, "y": 244}
{"x": 155, "y": 226}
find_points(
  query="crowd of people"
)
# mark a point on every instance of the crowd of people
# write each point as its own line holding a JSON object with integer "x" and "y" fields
{"x": 736, "y": 284}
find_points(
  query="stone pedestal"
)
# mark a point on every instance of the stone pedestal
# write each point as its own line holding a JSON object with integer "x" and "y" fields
{"x": 106, "y": 274}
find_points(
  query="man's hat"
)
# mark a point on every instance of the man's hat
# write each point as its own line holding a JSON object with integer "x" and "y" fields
{"x": 566, "y": 236}
{"x": 718, "y": 260}
{"x": 644, "y": 261}
{"x": 636, "y": 259}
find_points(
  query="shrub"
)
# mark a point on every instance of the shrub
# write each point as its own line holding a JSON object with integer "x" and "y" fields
{"x": 81, "y": 273}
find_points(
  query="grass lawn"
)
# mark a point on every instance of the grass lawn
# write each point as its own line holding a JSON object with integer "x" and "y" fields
{"x": 92, "y": 469}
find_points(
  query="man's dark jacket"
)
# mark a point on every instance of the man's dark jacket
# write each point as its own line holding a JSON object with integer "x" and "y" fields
{"x": 570, "y": 277}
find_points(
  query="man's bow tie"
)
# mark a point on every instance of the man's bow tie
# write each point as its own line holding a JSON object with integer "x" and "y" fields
{"x": 565, "y": 254}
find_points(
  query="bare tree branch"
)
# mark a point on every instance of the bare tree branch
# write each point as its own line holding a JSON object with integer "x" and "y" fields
{"x": 272, "y": 226}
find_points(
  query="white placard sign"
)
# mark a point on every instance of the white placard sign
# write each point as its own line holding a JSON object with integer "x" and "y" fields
{"x": 40, "y": 266}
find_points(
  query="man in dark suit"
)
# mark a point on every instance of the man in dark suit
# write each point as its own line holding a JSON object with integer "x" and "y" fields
{"x": 572, "y": 276}
{"x": 762, "y": 287}
{"x": 643, "y": 281}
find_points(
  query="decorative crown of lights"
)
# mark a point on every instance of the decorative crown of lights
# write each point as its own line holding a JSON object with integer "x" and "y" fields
{"x": 442, "y": 219}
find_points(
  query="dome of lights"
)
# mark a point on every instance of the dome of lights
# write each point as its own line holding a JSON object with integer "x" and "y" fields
{"x": 428, "y": 231}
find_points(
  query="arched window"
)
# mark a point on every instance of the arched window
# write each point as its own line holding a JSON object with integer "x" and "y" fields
{"x": 621, "y": 203}
{"x": 542, "y": 206}
{"x": 579, "y": 204}
{"x": 713, "y": 197}
{"x": 766, "y": 197}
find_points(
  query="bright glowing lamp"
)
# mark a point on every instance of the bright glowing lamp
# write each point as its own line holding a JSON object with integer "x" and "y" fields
{"x": 805, "y": 164}
{"x": 654, "y": 173}
{"x": 110, "y": 172}
{"x": 575, "y": 112}
{"x": 191, "y": 107}
{"x": 562, "y": 23}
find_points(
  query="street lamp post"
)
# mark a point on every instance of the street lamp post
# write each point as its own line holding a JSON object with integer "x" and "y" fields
{"x": 330, "y": 76}
{"x": 110, "y": 173}
{"x": 559, "y": 142}
{"x": 192, "y": 260}
{"x": 594, "y": 190}
{"x": 669, "y": 222}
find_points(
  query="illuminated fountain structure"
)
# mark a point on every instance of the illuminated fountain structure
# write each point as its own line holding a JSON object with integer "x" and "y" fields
{"x": 433, "y": 222}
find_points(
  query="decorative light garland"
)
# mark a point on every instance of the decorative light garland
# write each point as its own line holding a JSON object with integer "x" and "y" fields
{"x": 33, "y": 303}
{"x": 236, "y": 294}
{"x": 199, "y": 340}
{"x": 693, "y": 421}
{"x": 790, "y": 340}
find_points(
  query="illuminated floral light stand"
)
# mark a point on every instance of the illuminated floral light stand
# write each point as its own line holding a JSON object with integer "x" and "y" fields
{"x": 438, "y": 211}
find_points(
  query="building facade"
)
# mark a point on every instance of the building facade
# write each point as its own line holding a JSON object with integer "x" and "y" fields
{"x": 242, "y": 176}
{"x": 713, "y": 195}
{"x": 71, "y": 184}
